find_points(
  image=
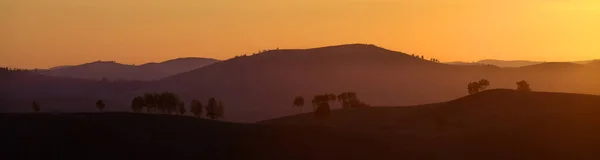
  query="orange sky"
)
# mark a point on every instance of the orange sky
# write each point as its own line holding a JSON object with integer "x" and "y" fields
{"x": 45, "y": 33}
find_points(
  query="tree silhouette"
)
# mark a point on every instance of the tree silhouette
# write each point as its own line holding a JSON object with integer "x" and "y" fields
{"x": 168, "y": 102}
{"x": 523, "y": 86}
{"x": 476, "y": 87}
{"x": 196, "y": 108}
{"x": 151, "y": 102}
{"x": 211, "y": 109}
{"x": 137, "y": 104}
{"x": 100, "y": 105}
{"x": 350, "y": 100}
{"x": 483, "y": 84}
{"x": 298, "y": 102}
{"x": 318, "y": 99}
{"x": 220, "y": 112}
{"x": 181, "y": 108}
{"x": 323, "y": 111}
{"x": 473, "y": 87}
{"x": 36, "y": 106}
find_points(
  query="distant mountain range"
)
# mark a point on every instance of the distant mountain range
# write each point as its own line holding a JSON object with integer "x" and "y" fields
{"x": 509, "y": 64}
{"x": 262, "y": 86}
{"x": 115, "y": 71}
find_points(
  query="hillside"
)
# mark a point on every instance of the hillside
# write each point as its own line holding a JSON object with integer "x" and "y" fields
{"x": 262, "y": 86}
{"x": 140, "y": 136}
{"x": 553, "y": 124}
{"x": 116, "y": 71}
{"x": 495, "y": 124}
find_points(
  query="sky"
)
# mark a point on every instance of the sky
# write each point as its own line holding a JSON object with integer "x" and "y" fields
{"x": 47, "y": 33}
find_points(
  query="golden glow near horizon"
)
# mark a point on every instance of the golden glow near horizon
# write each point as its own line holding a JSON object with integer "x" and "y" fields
{"x": 45, "y": 33}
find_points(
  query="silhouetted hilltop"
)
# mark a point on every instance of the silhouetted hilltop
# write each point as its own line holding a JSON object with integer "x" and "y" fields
{"x": 115, "y": 71}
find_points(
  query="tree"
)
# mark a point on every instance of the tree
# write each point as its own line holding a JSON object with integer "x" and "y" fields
{"x": 220, "y": 112}
{"x": 473, "y": 87}
{"x": 196, "y": 108}
{"x": 483, "y": 84}
{"x": 523, "y": 86}
{"x": 151, "y": 102}
{"x": 476, "y": 87}
{"x": 350, "y": 100}
{"x": 211, "y": 108}
{"x": 181, "y": 108}
{"x": 298, "y": 102}
{"x": 137, "y": 104}
{"x": 323, "y": 111}
{"x": 168, "y": 102}
{"x": 100, "y": 105}
{"x": 36, "y": 106}
{"x": 318, "y": 99}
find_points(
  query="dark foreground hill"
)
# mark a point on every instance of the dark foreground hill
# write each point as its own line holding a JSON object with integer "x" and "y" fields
{"x": 517, "y": 124}
{"x": 138, "y": 136}
{"x": 497, "y": 124}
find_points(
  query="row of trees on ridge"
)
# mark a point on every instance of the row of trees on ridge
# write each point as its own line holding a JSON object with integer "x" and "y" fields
{"x": 167, "y": 102}
{"x": 321, "y": 107}
{"x": 483, "y": 84}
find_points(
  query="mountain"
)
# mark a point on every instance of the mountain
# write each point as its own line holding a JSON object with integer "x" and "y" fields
{"x": 262, "y": 86}
{"x": 494, "y": 124}
{"x": 115, "y": 71}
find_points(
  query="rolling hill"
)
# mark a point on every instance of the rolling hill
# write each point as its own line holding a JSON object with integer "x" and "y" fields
{"x": 116, "y": 71}
{"x": 262, "y": 86}
{"x": 494, "y": 124}
{"x": 516, "y": 123}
